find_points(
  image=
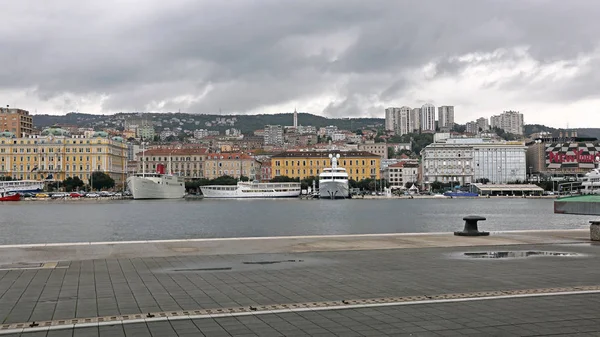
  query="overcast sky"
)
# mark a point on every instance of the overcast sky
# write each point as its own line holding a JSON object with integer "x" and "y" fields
{"x": 339, "y": 58}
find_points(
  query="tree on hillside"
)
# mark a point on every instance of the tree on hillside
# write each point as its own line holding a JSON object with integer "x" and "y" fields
{"x": 391, "y": 152}
{"x": 100, "y": 181}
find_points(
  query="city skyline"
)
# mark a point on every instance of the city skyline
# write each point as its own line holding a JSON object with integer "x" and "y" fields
{"x": 111, "y": 56}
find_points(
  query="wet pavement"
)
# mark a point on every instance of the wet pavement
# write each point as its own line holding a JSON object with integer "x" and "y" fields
{"x": 332, "y": 280}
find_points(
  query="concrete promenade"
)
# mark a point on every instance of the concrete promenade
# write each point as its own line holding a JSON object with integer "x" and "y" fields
{"x": 363, "y": 285}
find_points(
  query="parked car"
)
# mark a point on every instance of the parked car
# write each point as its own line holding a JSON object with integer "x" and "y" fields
{"x": 58, "y": 195}
{"x": 76, "y": 195}
{"x": 92, "y": 195}
{"x": 118, "y": 195}
{"x": 41, "y": 195}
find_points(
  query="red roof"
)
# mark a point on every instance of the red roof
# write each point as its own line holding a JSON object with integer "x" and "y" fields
{"x": 400, "y": 164}
{"x": 228, "y": 156}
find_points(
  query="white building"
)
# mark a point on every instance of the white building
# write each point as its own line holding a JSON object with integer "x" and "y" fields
{"x": 415, "y": 120}
{"x": 391, "y": 115}
{"x": 428, "y": 118}
{"x": 500, "y": 163}
{"x": 403, "y": 120}
{"x": 466, "y": 160}
{"x": 446, "y": 116}
{"x": 338, "y": 136}
{"x": 509, "y": 121}
{"x": 273, "y": 135}
{"x": 397, "y": 175}
{"x": 483, "y": 124}
{"x": 330, "y": 130}
{"x": 200, "y": 133}
{"x": 233, "y": 132}
{"x": 472, "y": 127}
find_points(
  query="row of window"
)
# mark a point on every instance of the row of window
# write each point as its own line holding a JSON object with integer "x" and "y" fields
{"x": 325, "y": 162}
{"x": 28, "y": 158}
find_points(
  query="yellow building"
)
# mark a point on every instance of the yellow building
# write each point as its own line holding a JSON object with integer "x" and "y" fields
{"x": 55, "y": 156}
{"x": 359, "y": 164}
{"x": 230, "y": 164}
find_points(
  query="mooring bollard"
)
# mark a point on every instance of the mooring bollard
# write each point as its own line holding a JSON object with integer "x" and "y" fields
{"x": 471, "y": 226}
{"x": 595, "y": 230}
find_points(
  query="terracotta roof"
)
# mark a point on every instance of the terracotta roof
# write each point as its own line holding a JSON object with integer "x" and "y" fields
{"x": 325, "y": 154}
{"x": 400, "y": 164}
{"x": 178, "y": 152}
{"x": 228, "y": 156}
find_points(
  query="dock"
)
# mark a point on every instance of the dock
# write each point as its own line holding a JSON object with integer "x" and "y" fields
{"x": 434, "y": 284}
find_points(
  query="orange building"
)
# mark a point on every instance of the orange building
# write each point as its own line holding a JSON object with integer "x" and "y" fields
{"x": 17, "y": 121}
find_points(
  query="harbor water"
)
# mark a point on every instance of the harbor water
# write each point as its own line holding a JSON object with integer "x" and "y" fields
{"x": 119, "y": 220}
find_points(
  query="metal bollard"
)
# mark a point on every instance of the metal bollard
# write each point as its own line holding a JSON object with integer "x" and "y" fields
{"x": 471, "y": 226}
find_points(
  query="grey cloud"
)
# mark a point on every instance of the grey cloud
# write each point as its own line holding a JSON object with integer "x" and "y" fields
{"x": 142, "y": 53}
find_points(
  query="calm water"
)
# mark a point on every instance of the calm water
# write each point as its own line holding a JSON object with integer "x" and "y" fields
{"x": 57, "y": 221}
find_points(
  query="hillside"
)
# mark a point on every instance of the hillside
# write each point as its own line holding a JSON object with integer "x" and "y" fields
{"x": 247, "y": 123}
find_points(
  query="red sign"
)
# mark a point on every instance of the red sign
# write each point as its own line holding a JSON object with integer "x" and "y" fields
{"x": 577, "y": 157}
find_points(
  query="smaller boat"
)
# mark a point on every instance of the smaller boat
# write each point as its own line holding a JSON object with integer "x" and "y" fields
{"x": 591, "y": 181}
{"x": 10, "y": 196}
{"x": 253, "y": 189}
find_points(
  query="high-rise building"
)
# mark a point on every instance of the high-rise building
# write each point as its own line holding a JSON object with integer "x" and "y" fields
{"x": 391, "y": 122}
{"x": 403, "y": 120}
{"x": 471, "y": 127}
{"x": 428, "y": 118}
{"x": 483, "y": 124}
{"x": 446, "y": 116}
{"x": 17, "y": 121}
{"x": 273, "y": 135}
{"x": 509, "y": 121}
{"x": 415, "y": 120}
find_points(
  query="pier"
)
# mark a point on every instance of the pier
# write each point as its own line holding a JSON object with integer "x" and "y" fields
{"x": 508, "y": 283}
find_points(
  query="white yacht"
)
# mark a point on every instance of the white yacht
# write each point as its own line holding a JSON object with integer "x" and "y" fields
{"x": 156, "y": 185}
{"x": 333, "y": 181}
{"x": 252, "y": 190}
{"x": 21, "y": 186}
{"x": 591, "y": 182}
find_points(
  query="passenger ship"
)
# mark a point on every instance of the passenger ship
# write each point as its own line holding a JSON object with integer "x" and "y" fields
{"x": 156, "y": 185}
{"x": 333, "y": 181}
{"x": 591, "y": 181}
{"x": 21, "y": 186}
{"x": 252, "y": 190}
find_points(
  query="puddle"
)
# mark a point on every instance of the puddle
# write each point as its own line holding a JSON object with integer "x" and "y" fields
{"x": 514, "y": 254}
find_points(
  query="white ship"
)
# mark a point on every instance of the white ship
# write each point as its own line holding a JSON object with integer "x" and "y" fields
{"x": 333, "y": 181}
{"x": 252, "y": 190}
{"x": 21, "y": 186}
{"x": 591, "y": 181}
{"x": 156, "y": 185}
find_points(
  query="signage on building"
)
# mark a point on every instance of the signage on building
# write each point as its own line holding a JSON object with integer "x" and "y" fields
{"x": 571, "y": 156}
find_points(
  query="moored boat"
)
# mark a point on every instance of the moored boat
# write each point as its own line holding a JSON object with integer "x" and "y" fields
{"x": 156, "y": 185}
{"x": 252, "y": 190}
{"x": 10, "y": 197}
{"x": 333, "y": 181}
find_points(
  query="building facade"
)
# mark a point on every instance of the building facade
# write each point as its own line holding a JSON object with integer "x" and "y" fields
{"x": 358, "y": 164}
{"x": 550, "y": 156}
{"x": 483, "y": 124}
{"x": 185, "y": 162}
{"x": 428, "y": 118}
{"x": 415, "y": 120}
{"x": 230, "y": 164}
{"x": 446, "y": 117}
{"x": 380, "y": 149}
{"x": 391, "y": 115}
{"x": 467, "y": 160}
{"x": 16, "y": 121}
{"x": 500, "y": 163}
{"x": 509, "y": 121}
{"x": 401, "y": 173}
{"x": 273, "y": 135}
{"x": 56, "y": 155}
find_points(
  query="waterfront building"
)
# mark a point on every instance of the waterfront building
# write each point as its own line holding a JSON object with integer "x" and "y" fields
{"x": 428, "y": 118}
{"x": 56, "y": 155}
{"x": 273, "y": 135}
{"x": 234, "y": 164}
{"x": 400, "y": 173}
{"x": 358, "y": 164}
{"x": 17, "y": 121}
{"x": 562, "y": 156}
{"x": 466, "y": 160}
{"x": 185, "y": 162}
{"x": 446, "y": 117}
{"x": 509, "y": 121}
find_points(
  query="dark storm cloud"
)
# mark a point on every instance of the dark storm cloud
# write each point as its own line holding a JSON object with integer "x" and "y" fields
{"x": 243, "y": 55}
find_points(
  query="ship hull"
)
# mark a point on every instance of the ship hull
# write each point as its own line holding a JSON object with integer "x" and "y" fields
{"x": 14, "y": 197}
{"x": 333, "y": 189}
{"x": 144, "y": 188}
